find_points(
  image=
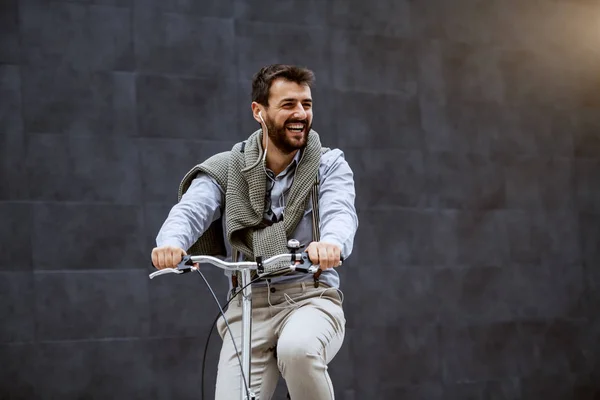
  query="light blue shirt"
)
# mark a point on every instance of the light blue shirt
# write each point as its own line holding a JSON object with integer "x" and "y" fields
{"x": 201, "y": 205}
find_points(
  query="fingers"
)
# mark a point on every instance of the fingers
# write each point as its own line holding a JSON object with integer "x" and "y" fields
{"x": 313, "y": 253}
{"x": 154, "y": 258}
{"x": 324, "y": 261}
{"x": 326, "y": 255}
{"x": 176, "y": 257}
{"x": 167, "y": 256}
{"x": 161, "y": 260}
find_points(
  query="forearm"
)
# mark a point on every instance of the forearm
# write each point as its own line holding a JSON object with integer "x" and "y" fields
{"x": 341, "y": 233}
{"x": 338, "y": 218}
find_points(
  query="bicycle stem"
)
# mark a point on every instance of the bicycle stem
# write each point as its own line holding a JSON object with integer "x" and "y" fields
{"x": 246, "y": 334}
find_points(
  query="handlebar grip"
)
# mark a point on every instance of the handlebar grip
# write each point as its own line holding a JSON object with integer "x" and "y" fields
{"x": 183, "y": 264}
{"x": 308, "y": 259}
{"x": 306, "y": 264}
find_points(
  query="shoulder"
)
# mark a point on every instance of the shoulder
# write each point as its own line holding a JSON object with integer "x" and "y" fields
{"x": 213, "y": 169}
{"x": 218, "y": 158}
{"x": 332, "y": 159}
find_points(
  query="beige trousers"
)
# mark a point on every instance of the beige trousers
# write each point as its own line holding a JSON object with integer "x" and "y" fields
{"x": 296, "y": 331}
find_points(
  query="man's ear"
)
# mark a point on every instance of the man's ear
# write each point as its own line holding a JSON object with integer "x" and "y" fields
{"x": 257, "y": 112}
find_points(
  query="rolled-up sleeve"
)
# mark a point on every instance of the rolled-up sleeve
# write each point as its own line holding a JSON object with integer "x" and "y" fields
{"x": 199, "y": 207}
{"x": 338, "y": 219}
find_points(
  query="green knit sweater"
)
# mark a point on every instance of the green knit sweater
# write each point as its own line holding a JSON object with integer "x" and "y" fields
{"x": 240, "y": 173}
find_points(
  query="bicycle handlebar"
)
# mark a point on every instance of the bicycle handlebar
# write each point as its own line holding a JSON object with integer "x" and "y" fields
{"x": 298, "y": 262}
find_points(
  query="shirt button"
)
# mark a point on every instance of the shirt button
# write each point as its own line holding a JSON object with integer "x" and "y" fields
{"x": 273, "y": 290}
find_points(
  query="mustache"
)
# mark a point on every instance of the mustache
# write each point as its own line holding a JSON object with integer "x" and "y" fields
{"x": 291, "y": 121}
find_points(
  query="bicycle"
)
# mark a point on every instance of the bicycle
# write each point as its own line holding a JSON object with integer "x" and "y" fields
{"x": 299, "y": 262}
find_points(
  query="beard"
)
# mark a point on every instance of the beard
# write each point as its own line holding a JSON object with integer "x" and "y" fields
{"x": 279, "y": 135}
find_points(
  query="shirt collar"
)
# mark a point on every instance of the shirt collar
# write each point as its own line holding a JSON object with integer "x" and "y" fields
{"x": 292, "y": 165}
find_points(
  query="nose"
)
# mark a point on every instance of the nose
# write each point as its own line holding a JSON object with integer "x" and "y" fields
{"x": 300, "y": 112}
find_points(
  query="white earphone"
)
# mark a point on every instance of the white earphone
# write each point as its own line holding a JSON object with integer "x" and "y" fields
{"x": 265, "y": 133}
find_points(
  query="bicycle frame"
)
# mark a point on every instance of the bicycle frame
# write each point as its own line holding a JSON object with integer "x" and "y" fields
{"x": 298, "y": 262}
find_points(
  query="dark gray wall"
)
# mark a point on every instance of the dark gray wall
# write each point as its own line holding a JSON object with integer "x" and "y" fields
{"x": 473, "y": 128}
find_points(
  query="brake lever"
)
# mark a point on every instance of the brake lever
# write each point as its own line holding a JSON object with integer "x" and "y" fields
{"x": 165, "y": 271}
{"x": 185, "y": 265}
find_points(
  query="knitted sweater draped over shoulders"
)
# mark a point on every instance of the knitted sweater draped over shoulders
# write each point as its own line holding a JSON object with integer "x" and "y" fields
{"x": 240, "y": 174}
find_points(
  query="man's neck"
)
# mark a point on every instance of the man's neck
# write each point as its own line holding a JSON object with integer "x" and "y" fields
{"x": 278, "y": 161}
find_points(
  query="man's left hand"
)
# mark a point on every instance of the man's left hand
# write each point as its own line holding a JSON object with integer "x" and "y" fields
{"x": 326, "y": 255}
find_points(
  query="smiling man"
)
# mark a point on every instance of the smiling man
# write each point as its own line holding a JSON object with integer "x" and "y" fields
{"x": 298, "y": 322}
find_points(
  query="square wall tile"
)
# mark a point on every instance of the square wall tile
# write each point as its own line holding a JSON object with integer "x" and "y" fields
{"x": 482, "y": 352}
{"x": 505, "y": 389}
{"x": 475, "y": 294}
{"x": 16, "y": 309}
{"x": 199, "y": 109}
{"x": 406, "y": 353}
{"x": 377, "y": 121}
{"x": 91, "y": 305}
{"x": 177, "y": 365}
{"x": 108, "y": 369}
{"x": 259, "y": 44}
{"x": 66, "y": 35}
{"x": 587, "y": 140}
{"x": 12, "y": 138}
{"x": 78, "y": 102}
{"x": 549, "y": 291}
{"x": 413, "y": 295}
{"x": 183, "y": 44}
{"x": 464, "y": 182}
{"x": 386, "y": 18}
{"x": 182, "y": 306}
{"x": 17, "y": 377}
{"x": 585, "y": 178}
{"x": 83, "y": 168}
{"x": 16, "y": 236}
{"x": 539, "y": 182}
{"x": 388, "y": 177}
{"x": 387, "y": 238}
{"x": 373, "y": 63}
{"x": 82, "y": 237}
{"x": 221, "y": 9}
{"x": 294, "y": 12}
{"x": 9, "y": 32}
{"x": 481, "y": 238}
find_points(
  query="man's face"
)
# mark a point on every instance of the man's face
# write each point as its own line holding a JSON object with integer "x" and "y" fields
{"x": 289, "y": 115}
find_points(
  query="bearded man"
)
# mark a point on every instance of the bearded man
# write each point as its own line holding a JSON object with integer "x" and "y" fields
{"x": 279, "y": 184}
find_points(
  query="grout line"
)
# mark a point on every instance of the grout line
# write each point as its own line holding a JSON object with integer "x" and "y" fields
{"x": 86, "y": 271}
{"x": 98, "y": 340}
{"x": 70, "y": 203}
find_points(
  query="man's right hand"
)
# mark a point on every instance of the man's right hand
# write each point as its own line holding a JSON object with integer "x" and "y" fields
{"x": 167, "y": 256}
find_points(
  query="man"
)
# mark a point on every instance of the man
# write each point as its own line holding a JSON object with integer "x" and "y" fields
{"x": 248, "y": 202}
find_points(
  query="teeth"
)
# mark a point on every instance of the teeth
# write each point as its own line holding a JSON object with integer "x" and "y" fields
{"x": 296, "y": 126}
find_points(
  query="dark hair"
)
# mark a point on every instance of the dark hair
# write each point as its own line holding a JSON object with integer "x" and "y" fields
{"x": 262, "y": 81}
